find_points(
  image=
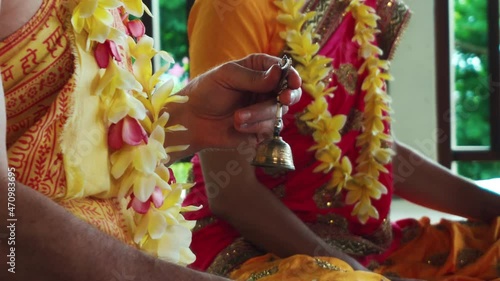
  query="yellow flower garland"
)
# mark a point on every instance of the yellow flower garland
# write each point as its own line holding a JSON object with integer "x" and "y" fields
{"x": 138, "y": 169}
{"x": 364, "y": 185}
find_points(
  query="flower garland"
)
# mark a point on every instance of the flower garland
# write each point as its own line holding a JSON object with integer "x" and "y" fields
{"x": 363, "y": 186}
{"x": 133, "y": 101}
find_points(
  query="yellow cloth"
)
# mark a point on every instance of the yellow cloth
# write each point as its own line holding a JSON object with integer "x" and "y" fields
{"x": 47, "y": 82}
{"x": 300, "y": 267}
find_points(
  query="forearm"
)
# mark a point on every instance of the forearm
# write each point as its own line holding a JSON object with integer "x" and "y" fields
{"x": 51, "y": 244}
{"x": 420, "y": 180}
{"x": 257, "y": 213}
{"x": 276, "y": 229}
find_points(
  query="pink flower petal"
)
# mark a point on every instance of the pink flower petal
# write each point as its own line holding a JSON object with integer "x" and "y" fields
{"x": 115, "y": 140}
{"x": 172, "y": 177}
{"x": 157, "y": 197}
{"x": 136, "y": 28}
{"x": 101, "y": 54}
{"x": 177, "y": 70}
{"x": 133, "y": 133}
{"x": 114, "y": 50}
{"x": 140, "y": 207}
{"x": 132, "y": 196}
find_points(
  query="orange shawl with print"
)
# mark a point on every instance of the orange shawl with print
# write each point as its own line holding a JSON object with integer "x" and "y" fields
{"x": 38, "y": 71}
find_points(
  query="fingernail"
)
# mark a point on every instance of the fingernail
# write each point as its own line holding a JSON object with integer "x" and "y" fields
{"x": 268, "y": 72}
{"x": 245, "y": 115}
{"x": 244, "y": 126}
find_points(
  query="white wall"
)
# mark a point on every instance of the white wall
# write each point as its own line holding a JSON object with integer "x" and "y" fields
{"x": 413, "y": 90}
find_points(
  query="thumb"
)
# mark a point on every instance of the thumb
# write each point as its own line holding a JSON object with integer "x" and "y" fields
{"x": 239, "y": 78}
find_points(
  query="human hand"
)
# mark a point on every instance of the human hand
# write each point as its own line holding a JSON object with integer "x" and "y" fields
{"x": 236, "y": 101}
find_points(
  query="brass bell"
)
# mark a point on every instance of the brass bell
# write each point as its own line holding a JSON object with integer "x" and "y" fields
{"x": 276, "y": 153}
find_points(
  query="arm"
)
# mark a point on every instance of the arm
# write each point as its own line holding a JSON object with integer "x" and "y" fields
{"x": 424, "y": 182}
{"x": 51, "y": 244}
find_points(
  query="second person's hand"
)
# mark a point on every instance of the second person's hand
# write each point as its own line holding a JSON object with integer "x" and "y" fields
{"x": 236, "y": 101}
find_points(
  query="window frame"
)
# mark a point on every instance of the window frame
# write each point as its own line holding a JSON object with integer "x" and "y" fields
{"x": 447, "y": 154}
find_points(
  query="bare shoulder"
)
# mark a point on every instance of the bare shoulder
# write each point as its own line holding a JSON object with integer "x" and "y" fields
{"x": 14, "y": 14}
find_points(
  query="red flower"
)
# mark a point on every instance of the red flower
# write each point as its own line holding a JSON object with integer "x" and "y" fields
{"x": 172, "y": 176}
{"x": 105, "y": 50}
{"x": 135, "y": 28}
{"x": 143, "y": 207}
{"x": 129, "y": 131}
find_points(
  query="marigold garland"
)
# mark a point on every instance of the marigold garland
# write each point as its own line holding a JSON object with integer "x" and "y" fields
{"x": 133, "y": 101}
{"x": 363, "y": 185}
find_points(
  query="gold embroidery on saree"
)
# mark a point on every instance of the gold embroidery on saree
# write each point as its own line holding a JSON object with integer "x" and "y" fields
{"x": 438, "y": 259}
{"x": 233, "y": 256}
{"x": 201, "y": 223}
{"x": 383, "y": 235}
{"x": 394, "y": 18}
{"x": 329, "y": 16}
{"x": 347, "y": 76}
{"x": 279, "y": 191}
{"x": 354, "y": 246}
{"x": 410, "y": 233}
{"x": 333, "y": 229}
{"x": 334, "y": 224}
{"x": 262, "y": 274}
{"x": 354, "y": 122}
{"x": 326, "y": 265}
{"x": 467, "y": 256}
{"x": 325, "y": 198}
{"x": 302, "y": 126}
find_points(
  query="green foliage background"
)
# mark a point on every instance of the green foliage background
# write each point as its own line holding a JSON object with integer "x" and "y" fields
{"x": 173, "y": 22}
{"x": 471, "y": 71}
{"x": 472, "y": 88}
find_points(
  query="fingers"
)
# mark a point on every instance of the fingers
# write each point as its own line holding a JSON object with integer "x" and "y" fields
{"x": 262, "y": 62}
{"x": 259, "y": 62}
{"x": 258, "y": 119}
{"x": 294, "y": 80}
{"x": 255, "y": 113}
{"x": 290, "y": 97}
{"x": 239, "y": 78}
{"x": 256, "y": 74}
